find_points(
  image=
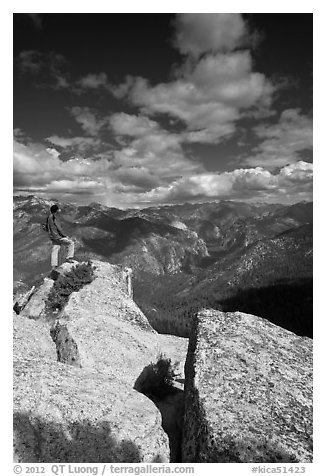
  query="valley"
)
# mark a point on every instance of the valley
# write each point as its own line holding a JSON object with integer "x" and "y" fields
{"x": 255, "y": 258}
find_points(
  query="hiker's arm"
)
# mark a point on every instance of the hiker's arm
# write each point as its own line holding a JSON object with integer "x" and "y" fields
{"x": 59, "y": 228}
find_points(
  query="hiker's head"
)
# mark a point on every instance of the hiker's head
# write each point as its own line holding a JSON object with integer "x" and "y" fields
{"x": 54, "y": 209}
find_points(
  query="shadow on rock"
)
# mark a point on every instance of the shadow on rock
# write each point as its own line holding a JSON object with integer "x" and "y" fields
{"x": 170, "y": 402}
{"x": 171, "y": 408}
{"x": 39, "y": 441}
{"x": 241, "y": 451}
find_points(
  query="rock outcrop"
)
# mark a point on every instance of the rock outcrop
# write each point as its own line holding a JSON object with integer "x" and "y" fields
{"x": 101, "y": 328}
{"x": 248, "y": 391}
{"x": 34, "y": 307}
{"x": 73, "y": 396}
{"x": 248, "y": 383}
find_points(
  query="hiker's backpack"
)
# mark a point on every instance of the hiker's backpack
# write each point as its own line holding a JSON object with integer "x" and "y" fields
{"x": 45, "y": 226}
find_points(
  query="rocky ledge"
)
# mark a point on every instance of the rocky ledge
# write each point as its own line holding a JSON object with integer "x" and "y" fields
{"x": 74, "y": 399}
{"x": 248, "y": 383}
{"x": 248, "y": 392}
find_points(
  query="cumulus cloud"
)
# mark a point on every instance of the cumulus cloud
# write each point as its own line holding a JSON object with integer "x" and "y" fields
{"x": 54, "y": 152}
{"x": 229, "y": 79}
{"x": 299, "y": 172}
{"x": 222, "y": 185}
{"x": 160, "y": 154}
{"x": 283, "y": 141}
{"x": 214, "y": 87}
{"x": 132, "y": 125}
{"x": 212, "y": 90}
{"x": 209, "y": 97}
{"x": 147, "y": 154}
{"x": 36, "y": 165}
{"x": 88, "y": 119}
{"x": 141, "y": 177}
{"x": 37, "y": 169}
{"x": 122, "y": 175}
{"x": 198, "y": 33}
{"x": 149, "y": 150}
{"x": 255, "y": 183}
{"x": 129, "y": 178}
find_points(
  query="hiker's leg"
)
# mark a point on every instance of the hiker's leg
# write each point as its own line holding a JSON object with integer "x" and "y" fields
{"x": 71, "y": 247}
{"x": 55, "y": 255}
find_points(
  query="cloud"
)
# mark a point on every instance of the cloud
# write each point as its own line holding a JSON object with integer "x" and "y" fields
{"x": 208, "y": 97}
{"x": 76, "y": 145}
{"x": 216, "y": 185}
{"x": 198, "y": 33}
{"x": 145, "y": 147}
{"x": 160, "y": 154}
{"x": 283, "y": 142}
{"x": 51, "y": 70}
{"x": 228, "y": 79}
{"x": 140, "y": 177}
{"x": 21, "y": 136}
{"x": 30, "y": 61}
{"x": 244, "y": 184}
{"x": 121, "y": 90}
{"x": 47, "y": 69}
{"x": 148, "y": 148}
{"x": 147, "y": 162}
{"x": 39, "y": 170}
{"x": 88, "y": 119}
{"x": 73, "y": 186}
{"x": 209, "y": 94}
{"x": 132, "y": 125}
{"x": 37, "y": 165}
{"x": 129, "y": 178}
{"x": 36, "y": 19}
{"x": 53, "y": 152}
{"x": 212, "y": 90}
{"x": 93, "y": 81}
{"x": 215, "y": 85}
{"x": 299, "y": 172}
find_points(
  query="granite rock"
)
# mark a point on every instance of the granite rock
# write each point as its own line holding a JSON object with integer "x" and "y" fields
{"x": 102, "y": 328}
{"x": 67, "y": 414}
{"x": 35, "y": 307}
{"x": 87, "y": 411}
{"x": 248, "y": 391}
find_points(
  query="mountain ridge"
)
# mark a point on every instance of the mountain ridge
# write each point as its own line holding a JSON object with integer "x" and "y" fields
{"x": 184, "y": 256}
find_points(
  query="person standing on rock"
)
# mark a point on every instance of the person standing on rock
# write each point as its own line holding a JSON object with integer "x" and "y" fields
{"x": 58, "y": 238}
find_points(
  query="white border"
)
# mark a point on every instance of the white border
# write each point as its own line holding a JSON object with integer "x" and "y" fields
{"x": 167, "y": 6}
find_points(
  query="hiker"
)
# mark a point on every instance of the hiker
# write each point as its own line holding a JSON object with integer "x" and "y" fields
{"x": 58, "y": 238}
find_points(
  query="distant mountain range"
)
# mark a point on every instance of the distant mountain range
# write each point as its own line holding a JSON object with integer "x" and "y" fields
{"x": 148, "y": 246}
{"x": 256, "y": 258}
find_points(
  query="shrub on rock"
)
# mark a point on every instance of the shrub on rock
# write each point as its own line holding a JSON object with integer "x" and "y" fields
{"x": 157, "y": 378}
{"x": 66, "y": 284}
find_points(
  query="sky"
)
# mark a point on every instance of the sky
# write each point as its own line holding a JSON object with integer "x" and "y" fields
{"x": 137, "y": 110}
